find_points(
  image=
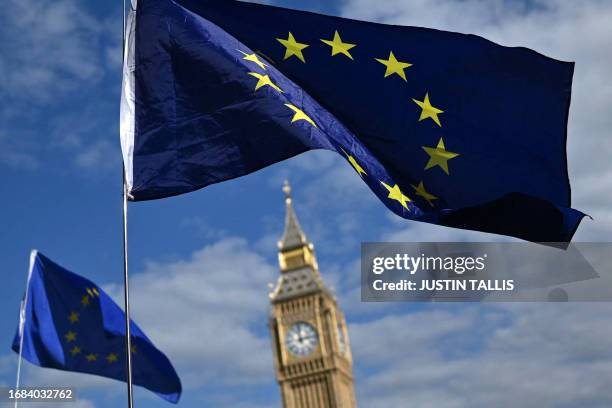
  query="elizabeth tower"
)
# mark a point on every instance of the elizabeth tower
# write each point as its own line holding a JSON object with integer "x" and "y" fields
{"x": 312, "y": 355}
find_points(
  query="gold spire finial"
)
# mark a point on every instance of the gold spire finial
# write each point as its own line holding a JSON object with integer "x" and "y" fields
{"x": 287, "y": 190}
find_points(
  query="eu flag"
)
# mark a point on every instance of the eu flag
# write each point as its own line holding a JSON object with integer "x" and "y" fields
{"x": 71, "y": 324}
{"x": 444, "y": 128}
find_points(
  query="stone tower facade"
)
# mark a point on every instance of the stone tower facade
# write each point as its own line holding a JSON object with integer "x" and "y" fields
{"x": 312, "y": 353}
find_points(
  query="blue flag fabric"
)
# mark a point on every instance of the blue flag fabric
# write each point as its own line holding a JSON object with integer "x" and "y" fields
{"x": 71, "y": 324}
{"x": 445, "y": 128}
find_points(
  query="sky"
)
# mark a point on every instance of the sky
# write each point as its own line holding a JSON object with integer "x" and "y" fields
{"x": 200, "y": 263}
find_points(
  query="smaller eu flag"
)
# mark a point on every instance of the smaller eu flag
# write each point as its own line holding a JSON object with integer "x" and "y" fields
{"x": 71, "y": 324}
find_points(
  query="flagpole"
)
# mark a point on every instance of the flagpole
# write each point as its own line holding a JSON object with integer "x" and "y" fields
{"x": 126, "y": 287}
{"x": 126, "y": 300}
{"x": 22, "y": 321}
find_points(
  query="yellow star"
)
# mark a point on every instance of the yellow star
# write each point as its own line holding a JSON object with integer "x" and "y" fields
{"x": 85, "y": 300}
{"x": 355, "y": 165}
{"x": 339, "y": 47}
{"x": 74, "y": 317}
{"x": 428, "y": 111}
{"x": 394, "y": 66}
{"x": 91, "y": 357}
{"x": 421, "y": 192}
{"x": 75, "y": 350}
{"x": 396, "y": 194}
{"x": 263, "y": 81}
{"x": 133, "y": 348}
{"x": 253, "y": 58}
{"x": 93, "y": 292}
{"x": 70, "y": 336}
{"x": 293, "y": 47}
{"x": 111, "y": 358}
{"x": 439, "y": 156}
{"x": 300, "y": 115}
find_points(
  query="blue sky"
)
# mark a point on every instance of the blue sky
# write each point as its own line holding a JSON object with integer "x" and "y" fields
{"x": 200, "y": 262}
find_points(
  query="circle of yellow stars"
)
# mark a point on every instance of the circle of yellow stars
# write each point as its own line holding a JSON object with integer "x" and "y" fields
{"x": 438, "y": 156}
{"x": 71, "y": 336}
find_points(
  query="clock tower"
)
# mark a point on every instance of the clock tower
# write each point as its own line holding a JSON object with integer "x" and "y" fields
{"x": 312, "y": 354}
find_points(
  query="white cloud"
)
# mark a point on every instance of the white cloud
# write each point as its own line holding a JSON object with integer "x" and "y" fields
{"x": 54, "y": 53}
{"x": 209, "y": 313}
{"x": 53, "y": 48}
{"x": 536, "y": 355}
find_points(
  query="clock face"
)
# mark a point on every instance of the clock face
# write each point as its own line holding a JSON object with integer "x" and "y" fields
{"x": 301, "y": 339}
{"x": 341, "y": 340}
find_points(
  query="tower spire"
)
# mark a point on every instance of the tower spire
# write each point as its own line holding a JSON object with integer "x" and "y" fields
{"x": 295, "y": 251}
{"x": 293, "y": 237}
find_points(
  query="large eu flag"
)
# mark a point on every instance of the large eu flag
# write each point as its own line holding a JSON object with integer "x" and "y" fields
{"x": 443, "y": 127}
{"x": 70, "y": 323}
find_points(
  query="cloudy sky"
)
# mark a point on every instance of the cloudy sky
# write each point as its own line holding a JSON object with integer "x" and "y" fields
{"x": 201, "y": 263}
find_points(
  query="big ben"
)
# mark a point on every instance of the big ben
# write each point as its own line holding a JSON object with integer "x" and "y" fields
{"x": 312, "y": 354}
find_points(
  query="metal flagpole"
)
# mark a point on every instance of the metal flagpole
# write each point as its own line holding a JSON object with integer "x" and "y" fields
{"x": 126, "y": 299}
{"x": 126, "y": 287}
{"x": 22, "y": 320}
